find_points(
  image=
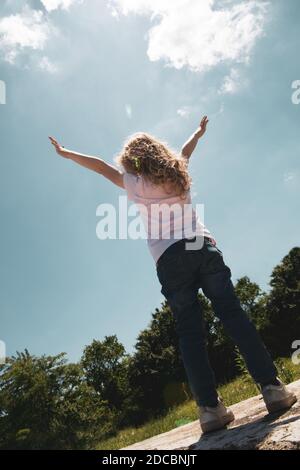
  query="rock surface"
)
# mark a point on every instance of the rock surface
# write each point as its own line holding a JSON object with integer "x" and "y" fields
{"x": 253, "y": 428}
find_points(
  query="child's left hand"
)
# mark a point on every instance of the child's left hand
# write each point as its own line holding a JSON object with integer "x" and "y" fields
{"x": 202, "y": 126}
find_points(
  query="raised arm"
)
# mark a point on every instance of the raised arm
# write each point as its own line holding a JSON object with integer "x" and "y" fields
{"x": 189, "y": 146}
{"x": 92, "y": 163}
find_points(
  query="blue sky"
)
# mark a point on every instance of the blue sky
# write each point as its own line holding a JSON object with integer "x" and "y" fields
{"x": 92, "y": 72}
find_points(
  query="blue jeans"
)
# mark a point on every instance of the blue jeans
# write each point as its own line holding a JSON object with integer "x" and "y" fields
{"x": 181, "y": 273}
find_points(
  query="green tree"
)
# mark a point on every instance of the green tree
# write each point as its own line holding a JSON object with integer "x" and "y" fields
{"x": 253, "y": 301}
{"x": 284, "y": 305}
{"x": 46, "y": 404}
{"x": 106, "y": 367}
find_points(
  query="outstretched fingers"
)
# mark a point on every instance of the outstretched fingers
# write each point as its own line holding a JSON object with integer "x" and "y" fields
{"x": 53, "y": 141}
{"x": 204, "y": 121}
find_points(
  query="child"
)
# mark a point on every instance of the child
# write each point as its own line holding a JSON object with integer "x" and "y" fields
{"x": 187, "y": 258}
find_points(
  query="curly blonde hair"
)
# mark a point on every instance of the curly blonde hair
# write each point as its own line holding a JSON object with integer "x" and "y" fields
{"x": 143, "y": 154}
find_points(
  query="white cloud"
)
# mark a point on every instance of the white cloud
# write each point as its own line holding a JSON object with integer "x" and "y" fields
{"x": 114, "y": 12}
{"x": 51, "y": 5}
{"x": 199, "y": 35}
{"x": 128, "y": 110}
{"x": 47, "y": 65}
{"x": 291, "y": 180}
{"x": 28, "y": 29}
{"x": 184, "y": 112}
{"x": 2, "y": 92}
{"x": 289, "y": 177}
{"x": 232, "y": 83}
{"x": 218, "y": 112}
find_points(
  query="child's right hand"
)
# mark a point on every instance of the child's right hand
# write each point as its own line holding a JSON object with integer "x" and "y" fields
{"x": 59, "y": 148}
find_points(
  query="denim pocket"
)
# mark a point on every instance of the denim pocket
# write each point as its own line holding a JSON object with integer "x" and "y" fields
{"x": 171, "y": 270}
{"x": 167, "y": 263}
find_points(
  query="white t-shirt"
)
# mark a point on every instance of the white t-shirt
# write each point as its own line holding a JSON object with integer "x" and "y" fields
{"x": 167, "y": 218}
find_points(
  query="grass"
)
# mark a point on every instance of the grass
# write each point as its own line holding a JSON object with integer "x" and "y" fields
{"x": 233, "y": 392}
